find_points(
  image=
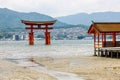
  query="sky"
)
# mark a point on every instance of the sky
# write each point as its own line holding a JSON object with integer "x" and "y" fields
{"x": 57, "y": 8}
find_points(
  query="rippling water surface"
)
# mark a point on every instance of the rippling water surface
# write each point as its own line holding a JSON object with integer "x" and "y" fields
{"x": 58, "y": 48}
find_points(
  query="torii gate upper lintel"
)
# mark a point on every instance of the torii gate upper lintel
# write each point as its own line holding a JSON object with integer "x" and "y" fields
{"x": 39, "y": 23}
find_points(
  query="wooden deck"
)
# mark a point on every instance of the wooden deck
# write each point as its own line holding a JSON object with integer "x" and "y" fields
{"x": 113, "y": 52}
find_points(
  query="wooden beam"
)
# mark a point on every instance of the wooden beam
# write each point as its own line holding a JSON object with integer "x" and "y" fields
{"x": 29, "y": 28}
{"x": 38, "y": 22}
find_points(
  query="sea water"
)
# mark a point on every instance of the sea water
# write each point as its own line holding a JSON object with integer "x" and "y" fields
{"x": 58, "y": 48}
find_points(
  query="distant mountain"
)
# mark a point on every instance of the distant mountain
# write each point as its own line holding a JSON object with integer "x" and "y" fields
{"x": 10, "y": 20}
{"x": 84, "y": 18}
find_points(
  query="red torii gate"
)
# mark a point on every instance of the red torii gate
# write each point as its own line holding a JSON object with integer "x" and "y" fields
{"x": 38, "y": 24}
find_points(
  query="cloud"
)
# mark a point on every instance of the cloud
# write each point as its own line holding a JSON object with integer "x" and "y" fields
{"x": 61, "y": 7}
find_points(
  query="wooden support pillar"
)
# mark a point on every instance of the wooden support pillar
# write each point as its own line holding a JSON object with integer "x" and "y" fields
{"x": 111, "y": 54}
{"x": 99, "y": 50}
{"x": 104, "y": 39}
{"x": 98, "y": 44}
{"x": 47, "y": 36}
{"x": 114, "y": 39}
{"x": 106, "y": 53}
{"x": 98, "y": 40}
{"x": 31, "y": 36}
{"x": 117, "y": 54}
{"x": 94, "y": 40}
{"x": 95, "y": 44}
{"x": 102, "y": 51}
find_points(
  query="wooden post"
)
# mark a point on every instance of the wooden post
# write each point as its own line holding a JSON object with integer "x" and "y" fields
{"x": 117, "y": 54}
{"x": 106, "y": 53}
{"x": 114, "y": 39}
{"x": 98, "y": 44}
{"x": 102, "y": 52}
{"x": 94, "y": 40}
{"x": 31, "y": 36}
{"x": 104, "y": 41}
{"x": 95, "y": 44}
{"x": 111, "y": 54}
{"x": 47, "y": 36}
{"x": 98, "y": 40}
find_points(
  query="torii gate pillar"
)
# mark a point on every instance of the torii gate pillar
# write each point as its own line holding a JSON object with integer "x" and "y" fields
{"x": 31, "y": 36}
{"x": 47, "y": 38}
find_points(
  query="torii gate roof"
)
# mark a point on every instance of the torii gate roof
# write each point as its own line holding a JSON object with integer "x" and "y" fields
{"x": 38, "y": 22}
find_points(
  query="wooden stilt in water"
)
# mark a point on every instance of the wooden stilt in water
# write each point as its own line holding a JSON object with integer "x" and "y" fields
{"x": 117, "y": 54}
{"x": 95, "y": 52}
{"x": 101, "y": 53}
{"x": 98, "y": 51}
{"x": 111, "y": 54}
{"x": 106, "y": 53}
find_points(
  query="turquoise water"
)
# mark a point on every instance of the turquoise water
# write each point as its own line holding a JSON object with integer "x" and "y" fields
{"x": 58, "y": 48}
